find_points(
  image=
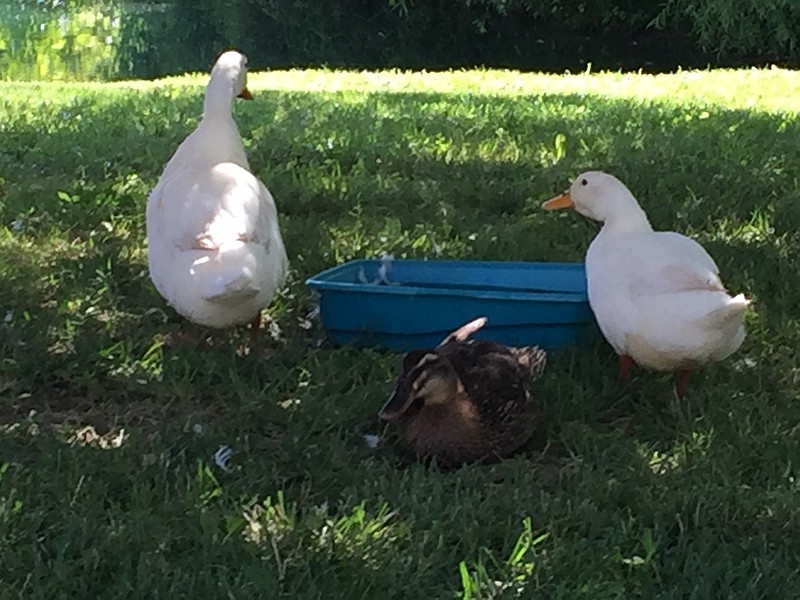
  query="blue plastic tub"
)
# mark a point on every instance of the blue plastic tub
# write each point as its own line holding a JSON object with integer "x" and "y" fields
{"x": 527, "y": 303}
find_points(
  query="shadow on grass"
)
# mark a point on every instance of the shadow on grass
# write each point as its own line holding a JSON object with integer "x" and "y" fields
{"x": 420, "y": 175}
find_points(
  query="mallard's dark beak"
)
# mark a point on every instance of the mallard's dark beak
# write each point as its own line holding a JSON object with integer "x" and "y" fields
{"x": 246, "y": 95}
{"x": 397, "y": 404}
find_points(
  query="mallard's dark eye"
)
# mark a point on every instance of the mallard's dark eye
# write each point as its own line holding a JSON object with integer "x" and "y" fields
{"x": 415, "y": 407}
{"x": 584, "y": 182}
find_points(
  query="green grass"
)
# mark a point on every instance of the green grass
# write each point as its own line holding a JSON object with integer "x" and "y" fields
{"x": 108, "y": 489}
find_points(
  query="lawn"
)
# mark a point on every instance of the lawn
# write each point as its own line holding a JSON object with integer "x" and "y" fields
{"x": 108, "y": 487}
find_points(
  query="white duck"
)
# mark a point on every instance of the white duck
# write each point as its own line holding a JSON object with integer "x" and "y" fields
{"x": 656, "y": 295}
{"x": 215, "y": 249}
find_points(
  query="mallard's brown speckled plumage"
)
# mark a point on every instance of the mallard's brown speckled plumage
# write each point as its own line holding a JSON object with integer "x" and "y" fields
{"x": 466, "y": 400}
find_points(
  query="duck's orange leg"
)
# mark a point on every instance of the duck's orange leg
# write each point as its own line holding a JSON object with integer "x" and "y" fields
{"x": 625, "y": 366}
{"x": 682, "y": 383}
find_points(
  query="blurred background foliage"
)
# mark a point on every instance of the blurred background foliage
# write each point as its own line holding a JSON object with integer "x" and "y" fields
{"x": 115, "y": 39}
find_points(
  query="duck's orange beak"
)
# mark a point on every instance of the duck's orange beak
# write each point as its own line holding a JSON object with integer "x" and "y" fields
{"x": 559, "y": 202}
{"x": 246, "y": 95}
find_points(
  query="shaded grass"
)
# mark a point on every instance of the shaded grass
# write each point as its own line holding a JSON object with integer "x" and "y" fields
{"x": 625, "y": 492}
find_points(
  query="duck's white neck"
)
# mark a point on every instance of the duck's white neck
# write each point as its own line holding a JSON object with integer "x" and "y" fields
{"x": 219, "y": 99}
{"x": 217, "y": 137}
{"x": 622, "y": 214}
{"x": 631, "y": 221}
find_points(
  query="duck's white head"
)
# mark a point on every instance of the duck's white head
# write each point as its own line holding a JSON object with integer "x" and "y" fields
{"x": 232, "y": 66}
{"x": 601, "y": 197}
{"x": 228, "y": 81}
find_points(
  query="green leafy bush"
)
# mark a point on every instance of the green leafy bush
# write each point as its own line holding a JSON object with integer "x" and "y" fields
{"x": 737, "y": 27}
{"x": 528, "y": 34}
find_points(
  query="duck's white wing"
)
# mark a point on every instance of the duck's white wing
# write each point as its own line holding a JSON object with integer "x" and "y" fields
{"x": 205, "y": 210}
{"x": 267, "y": 231}
{"x": 667, "y": 262}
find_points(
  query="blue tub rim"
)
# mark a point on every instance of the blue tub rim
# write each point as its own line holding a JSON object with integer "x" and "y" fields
{"x": 319, "y": 281}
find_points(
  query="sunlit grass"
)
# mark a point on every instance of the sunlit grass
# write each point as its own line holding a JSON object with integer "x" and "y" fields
{"x": 108, "y": 427}
{"x": 761, "y": 90}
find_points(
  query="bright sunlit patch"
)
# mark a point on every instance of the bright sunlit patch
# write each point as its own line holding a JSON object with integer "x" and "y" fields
{"x": 289, "y": 403}
{"x": 660, "y": 463}
{"x": 745, "y": 363}
{"x": 87, "y": 436}
{"x": 764, "y": 90}
{"x": 664, "y": 461}
{"x": 358, "y": 533}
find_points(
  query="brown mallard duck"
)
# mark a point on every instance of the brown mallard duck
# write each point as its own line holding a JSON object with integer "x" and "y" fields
{"x": 466, "y": 400}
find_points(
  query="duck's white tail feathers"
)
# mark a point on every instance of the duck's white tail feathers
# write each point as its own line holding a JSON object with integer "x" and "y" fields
{"x": 231, "y": 275}
{"x": 532, "y": 359}
{"x": 730, "y": 314}
{"x": 232, "y": 290}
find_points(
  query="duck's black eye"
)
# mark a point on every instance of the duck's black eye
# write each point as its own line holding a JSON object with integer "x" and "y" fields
{"x": 415, "y": 407}
{"x": 584, "y": 182}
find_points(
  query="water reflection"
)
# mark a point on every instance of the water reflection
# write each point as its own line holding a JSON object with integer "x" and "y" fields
{"x": 96, "y": 39}
{"x": 47, "y": 40}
